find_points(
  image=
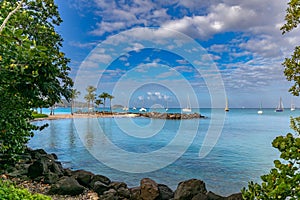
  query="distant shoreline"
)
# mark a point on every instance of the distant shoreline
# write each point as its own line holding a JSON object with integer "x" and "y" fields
{"x": 87, "y": 115}
{"x": 156, "y": 115}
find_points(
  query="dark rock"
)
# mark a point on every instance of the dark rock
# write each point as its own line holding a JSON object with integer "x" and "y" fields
{"x": 66, "y": 186}
{"x": 38, "y": 168}
{"x": 100, "y": 187}
{"x": 135, "y": 193}
{"x": 237, "y": 196}
{"x": 102, "y": 179}
{"x": 213, "y": 196}
{"x": 56, "y": 168}
{"x": 201, "y": 196}
{"x": 83, "y": 177}
{"x": 165, "y": 193}
{"x": 35, "y": 154}
{"x": 149, "y": 189}
{"x": 123, "y": 192}
{"x": 109, "y": 195}
{"x": 43, "y": 165}
{"x": 54, "y": 156}
{"x": 117, "y": 185}
{"x": 19, "y": 170}
{"x": 67, "y": 172}
{"x": 51, "y": 178}
{"x": 186, "y": 190}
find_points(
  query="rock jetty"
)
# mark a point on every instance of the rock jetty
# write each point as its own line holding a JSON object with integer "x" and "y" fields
{"x": 39, "y": 166}
{"x": 173, "y": 116}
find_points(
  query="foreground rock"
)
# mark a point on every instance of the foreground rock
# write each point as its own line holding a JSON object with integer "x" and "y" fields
{"x": 39, "y": 166}
{"x": 67, "y": 186}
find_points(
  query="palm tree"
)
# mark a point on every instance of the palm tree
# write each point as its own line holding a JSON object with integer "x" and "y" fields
{"x": 104, "y": 96}
{"x": 98, "y": 102}
{"x": 90, "y": 96}
{"x": 74, "y": 94}
{"x": 110, "y": 98}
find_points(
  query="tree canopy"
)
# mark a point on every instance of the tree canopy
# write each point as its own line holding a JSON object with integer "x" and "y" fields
{"x": 33, "y": 69}
{"x": 292, "y": 64}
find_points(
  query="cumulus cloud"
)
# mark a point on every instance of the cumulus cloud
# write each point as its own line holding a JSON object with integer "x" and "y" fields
{"x": 251, "y": 58}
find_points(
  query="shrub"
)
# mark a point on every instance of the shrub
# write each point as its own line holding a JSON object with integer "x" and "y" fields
{"x": 283, "y": 181}
{"x": 9, "y": 192}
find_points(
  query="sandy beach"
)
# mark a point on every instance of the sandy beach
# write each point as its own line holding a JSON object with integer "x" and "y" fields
{"x": 93, "y": 115}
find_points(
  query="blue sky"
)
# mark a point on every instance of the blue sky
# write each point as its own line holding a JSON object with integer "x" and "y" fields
{"x": 240, "y": 45}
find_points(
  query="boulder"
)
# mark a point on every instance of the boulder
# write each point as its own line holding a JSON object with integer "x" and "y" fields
{"x": 56, "y": 167}
{"x": 123, "y": 193}
{"x": 100, "y": 187}
{"x": 37, "y": 168}
{"x": 213, "y": 196}
{"x": 200, "y": 196}
{"x": 68, "y": 172}
{"x": 101, "y": 178}
{"x": 67, "y": 186}
{"x": 35, "y": 154}
{"x": 117, "y": 185}
{"x": 149, "y": 189}
{"x": 20, "y": 170}
{"x": 83, "y": 177}
{"x": 43, "y": 165}
{"x": 50, "y": 178}
{"x": 237, "y": 196}
{"x": 186, "y": 190}
{"x": 109, "y": 195}
{"x": 135, "y": 193}
{"x": 165, "y": 193}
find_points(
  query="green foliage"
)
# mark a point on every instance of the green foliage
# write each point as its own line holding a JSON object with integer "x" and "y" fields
{"x": 90, "y": 96}
{"x": 33, "y": 70}
{"x": 9, "y": 192}
{"x": 74, "y": 94}
{"x": 292, "y": 65}
{"x": 39, "y": 115}
{"x": 284, "y": 180}
{"x": 292, "y": 71}
{"x": 104, "y": 96}
{"x": 292, "y": 16}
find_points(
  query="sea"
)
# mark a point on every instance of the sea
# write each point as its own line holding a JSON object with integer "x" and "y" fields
{"x": 226, "y": 149}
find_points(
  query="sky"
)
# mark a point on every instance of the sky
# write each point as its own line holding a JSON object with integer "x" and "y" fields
{"x": 174, "y": 52}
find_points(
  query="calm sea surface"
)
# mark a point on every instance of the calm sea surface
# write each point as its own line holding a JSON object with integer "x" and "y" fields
{"x": 243, "y": 151}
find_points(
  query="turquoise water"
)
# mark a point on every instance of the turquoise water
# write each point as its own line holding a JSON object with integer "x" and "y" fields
{"x": 243, "y": 151}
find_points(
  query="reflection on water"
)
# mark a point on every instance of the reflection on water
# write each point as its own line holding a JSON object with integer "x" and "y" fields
{"x": 242, "y": 153}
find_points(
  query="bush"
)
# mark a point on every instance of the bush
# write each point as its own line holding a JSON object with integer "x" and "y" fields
{"x": 9, "y": 192}
{"x": 38, "y": 115}
{"x": 283, "y": 181}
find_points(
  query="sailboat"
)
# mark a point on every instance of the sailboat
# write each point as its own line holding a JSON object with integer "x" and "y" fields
{"x": 280, "y": 106}
{"x": 167, "y": 107}
{"x": 226, "y": 106}
{"x": 188, "y": 108}
{"x": 293, "y": 107}
{"x": 260, "y": 111}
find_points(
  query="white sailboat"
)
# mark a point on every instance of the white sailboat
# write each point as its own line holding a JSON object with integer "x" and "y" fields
{"x": 143, "y": 109}
{"x": 125, "y": 108}
{"x": 280, "y": 106}
{"x": 260, "y": 111}
{"x": 188, "y": 107}
{"x": 293, "y": 107}
{"x": 167, "y": 106}
{"x": 226, "y": 106}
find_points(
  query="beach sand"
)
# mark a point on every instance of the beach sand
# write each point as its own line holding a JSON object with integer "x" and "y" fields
{"x": 100, "y": 115}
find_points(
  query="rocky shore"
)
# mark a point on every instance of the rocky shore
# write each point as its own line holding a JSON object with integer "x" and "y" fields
{"x": 173, "y": 116}
{"x": 155, "y": 115}
{"x": 43, "y": 173}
